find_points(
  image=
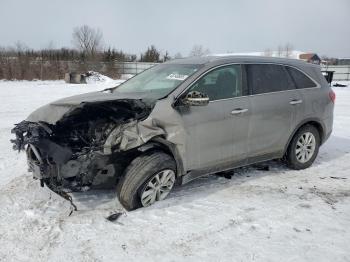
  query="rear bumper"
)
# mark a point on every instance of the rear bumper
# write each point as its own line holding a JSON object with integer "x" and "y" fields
{"x": 326, "y": 136}
{"x": 328, "y": 128}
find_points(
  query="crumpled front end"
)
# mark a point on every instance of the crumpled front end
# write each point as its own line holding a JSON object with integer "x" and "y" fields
{"x": 88, "y": 146}
{"x": 43, "y": 154}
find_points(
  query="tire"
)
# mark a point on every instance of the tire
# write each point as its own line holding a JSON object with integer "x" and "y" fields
{"x": 294, "y": 155}
{"x": 140, "y": 173}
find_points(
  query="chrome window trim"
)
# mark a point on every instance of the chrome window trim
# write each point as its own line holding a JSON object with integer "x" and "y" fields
{"x": 207, "y": 72}
{"x": 250, "y": 63}
{"x": 285, "y": 91}
{"x": 313, "y": 80}
{"x": 296, "y": 88}
{"x": 219, "y": 100}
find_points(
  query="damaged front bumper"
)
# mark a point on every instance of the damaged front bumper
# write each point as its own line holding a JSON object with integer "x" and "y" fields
{"x": 79, "y": 143}
{"x": 59, "y": 167}
{"x": 77, "y": 174}
{"x": 37, "y": 165}
{"x": 78, "y": 152}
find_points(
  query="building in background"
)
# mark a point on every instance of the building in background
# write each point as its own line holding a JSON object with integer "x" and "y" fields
{"x": 294, "y": 54}
{"x": 310, "y": 58}
{"x": 343, "y": 61}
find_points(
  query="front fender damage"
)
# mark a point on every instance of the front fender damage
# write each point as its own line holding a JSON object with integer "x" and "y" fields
{"x": 131, "y": 135}
{"x": 91, "y": 144}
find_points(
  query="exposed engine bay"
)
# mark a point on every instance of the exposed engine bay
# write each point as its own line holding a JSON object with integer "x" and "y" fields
{"x": 87, "y": 147}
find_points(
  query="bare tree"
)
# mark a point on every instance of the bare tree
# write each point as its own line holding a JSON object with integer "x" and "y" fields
{"x": 166, "y": 56}
{"x": 198, "y": 50}
{"x": 288, "y": 49}
{"x": 22, "y": 61}
{"x": 20, "y": 47}
{"x": 50, "y": 45}
{"x": 87, "y": 39}
{"x": 178, "y": 55}
{"x": 280, "y": 51}
{"x": 151, "y": 55}
{"x": 268, "y": 52}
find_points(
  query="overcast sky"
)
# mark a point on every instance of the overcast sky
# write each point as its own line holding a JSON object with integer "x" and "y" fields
{"x": 220, "y": 25}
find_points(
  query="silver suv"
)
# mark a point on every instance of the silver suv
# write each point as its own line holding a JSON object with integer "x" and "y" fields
{"x": 178, "y": 121}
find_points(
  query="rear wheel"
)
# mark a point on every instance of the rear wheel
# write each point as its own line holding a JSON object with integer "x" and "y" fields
{"x": 303, "y": 148}
{"x": 148, "y": 178}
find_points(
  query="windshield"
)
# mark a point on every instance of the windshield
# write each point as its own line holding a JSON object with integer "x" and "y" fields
{"x": 159, "y": 80}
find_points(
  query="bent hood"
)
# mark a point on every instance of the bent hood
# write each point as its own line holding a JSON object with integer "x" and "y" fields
{"x": 54, "y": 111}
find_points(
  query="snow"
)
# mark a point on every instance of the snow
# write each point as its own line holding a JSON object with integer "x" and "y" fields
{"x": 95, "y": 77}
{"x": 346, "y": 83}
{"x": 126, "y": 76}
{"x": 276, "y": 215}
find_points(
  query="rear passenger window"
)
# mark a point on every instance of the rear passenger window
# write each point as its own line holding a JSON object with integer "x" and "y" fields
{"x": 266, "y": 78}
{"x": 300, "y": 79}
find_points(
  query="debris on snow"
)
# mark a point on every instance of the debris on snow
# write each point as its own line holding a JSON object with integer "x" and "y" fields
{"x": 339, "y": 85}
{"x": 95, "y": 77}
{"x": 114, "y": 217}
{"x": 335, "y": 177}
{"x": 262, "y": 167}
{"x": 193, "y": 222}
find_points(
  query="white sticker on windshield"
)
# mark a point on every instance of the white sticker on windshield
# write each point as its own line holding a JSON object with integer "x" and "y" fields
{"x": 177, "y": 77}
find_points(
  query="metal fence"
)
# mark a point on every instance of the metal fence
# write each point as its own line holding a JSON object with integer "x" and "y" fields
{"x": 133, "y": 68}
{"x": 111, "y": 69}
{"x": 341, "y": 72}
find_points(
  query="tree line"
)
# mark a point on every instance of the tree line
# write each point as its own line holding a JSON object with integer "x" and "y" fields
{"x": 22, "y": 63}
{"x": 89, "y": 53}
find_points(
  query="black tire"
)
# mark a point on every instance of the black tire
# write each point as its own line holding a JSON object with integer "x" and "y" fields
{"x": 291, "y": 155}
{"x": 138, "y": 174}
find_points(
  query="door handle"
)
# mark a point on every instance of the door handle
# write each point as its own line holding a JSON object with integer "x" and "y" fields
{"x": 238, "y": 111}
{"x": 295, "y": 102}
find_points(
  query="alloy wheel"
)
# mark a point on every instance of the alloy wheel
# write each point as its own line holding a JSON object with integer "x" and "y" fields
{"x": 305, "y": 147}
{"x": 158, "y": 187}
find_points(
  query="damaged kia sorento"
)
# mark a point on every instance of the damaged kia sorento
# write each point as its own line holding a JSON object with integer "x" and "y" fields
{"x": 178, "y": 121}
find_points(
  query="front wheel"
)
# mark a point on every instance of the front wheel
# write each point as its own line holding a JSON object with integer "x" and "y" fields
{"x": 148, "y": 178}
{"x": 303, "y": 148}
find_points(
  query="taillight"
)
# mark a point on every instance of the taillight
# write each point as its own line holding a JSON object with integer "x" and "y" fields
{"x": 332, "y": 96}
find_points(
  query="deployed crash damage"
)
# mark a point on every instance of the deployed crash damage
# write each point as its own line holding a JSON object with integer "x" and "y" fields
{"x": 101, "y": 139}
{"x": 90, "y": 140}
{"x": 87, "y": 146}
{"x": 173, "y": 123}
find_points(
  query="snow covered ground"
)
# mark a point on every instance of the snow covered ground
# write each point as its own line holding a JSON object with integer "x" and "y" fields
{"x": 276, "y": 215}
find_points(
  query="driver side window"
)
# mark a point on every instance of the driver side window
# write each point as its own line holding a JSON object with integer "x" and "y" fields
{"x": 221, "y": 83}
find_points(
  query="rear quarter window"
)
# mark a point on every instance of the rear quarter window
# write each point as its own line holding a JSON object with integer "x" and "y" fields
{"x": 267, "y": 78}
{"x": 301, "y": 80}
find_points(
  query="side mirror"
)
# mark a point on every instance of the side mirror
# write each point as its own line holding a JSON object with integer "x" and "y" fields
{"x": 195, "y": 98}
